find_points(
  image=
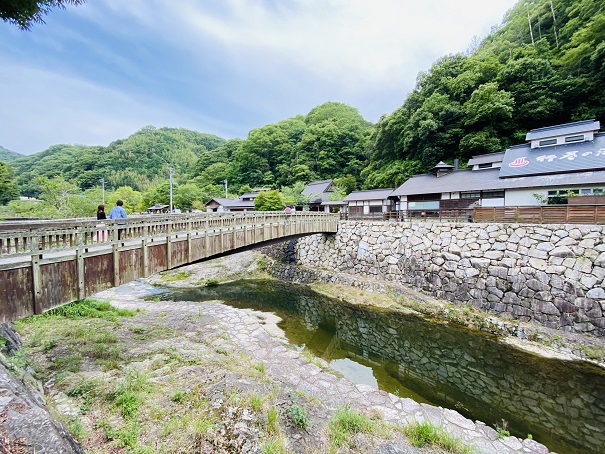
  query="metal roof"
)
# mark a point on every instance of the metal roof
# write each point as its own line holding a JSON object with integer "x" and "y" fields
{"x": 371, "y": 194}
{"x": 486, "y": 158}
{"x": 233, "y": 203}
{"x": 317, "y": 187}
{"x": 564, "y": 129}
{"x": 249, "y": 195}
{"x": 522, "y": 160}
{"x": 488, "y": 180}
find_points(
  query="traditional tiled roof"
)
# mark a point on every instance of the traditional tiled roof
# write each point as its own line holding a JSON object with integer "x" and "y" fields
{"x": 486, "y": 158}
{"x": 232, "y": 203}
{"x": 488, "y": 180}
{"x": 371, "y": 194}
{"x": 319, "y": 189}
{"x": 565, "y": 129}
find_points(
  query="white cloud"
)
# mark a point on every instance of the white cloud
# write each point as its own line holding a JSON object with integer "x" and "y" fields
{"x": 220, "y": 66}
{"x": 43, "y": 108}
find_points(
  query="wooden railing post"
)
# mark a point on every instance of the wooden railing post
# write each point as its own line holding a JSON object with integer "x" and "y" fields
{"x": 168, "y": 251}
{"x": 36, "y": 283}
{"x": 116, "y": 264}
{"x": 144, "y": 258}
{"x": 80, "y": 272}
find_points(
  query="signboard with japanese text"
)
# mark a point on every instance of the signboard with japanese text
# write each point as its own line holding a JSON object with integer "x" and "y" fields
{"x": 523, "y": 161}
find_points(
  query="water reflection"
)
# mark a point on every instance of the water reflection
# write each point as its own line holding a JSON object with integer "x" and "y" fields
{"x": 561, "y": 403}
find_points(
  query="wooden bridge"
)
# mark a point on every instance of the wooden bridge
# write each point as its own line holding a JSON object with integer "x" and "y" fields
{"x": 44, "y": 264}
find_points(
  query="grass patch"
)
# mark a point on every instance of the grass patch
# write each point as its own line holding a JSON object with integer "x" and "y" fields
{"x": 594, "y": 353}
{"x": 127, "y": 397}
{"x": 426, "y": 434}
{"x": 87, "y": 308}
{"x": 502, "y": 430}
{"x": 67, "y": 363}
{"x": 298, "y": 415}
{"x": 256, "y": 402}
{"x": 275, "y": 445}
{"x": 346, "y": 423}
{"x": 178, "y": 396}
{"x": 173, "y": 276}
{"x": 272, "y": 420}
{"x": 211, "y": 282}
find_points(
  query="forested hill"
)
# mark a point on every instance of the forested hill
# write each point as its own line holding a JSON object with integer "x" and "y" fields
{"x": 518, "y": 79}
{"x": 483, "y": 101}
{"x": 140, "y": 161}
{"x": 8, "y": 155}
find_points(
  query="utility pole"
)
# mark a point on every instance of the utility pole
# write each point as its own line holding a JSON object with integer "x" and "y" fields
{"x": 226, "y": 193}
{"x": 171, "y": 170}
{"x": 102, "y": 180}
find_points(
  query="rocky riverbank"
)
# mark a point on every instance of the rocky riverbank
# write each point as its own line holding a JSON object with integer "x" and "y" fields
{"x": 205, "y": 377}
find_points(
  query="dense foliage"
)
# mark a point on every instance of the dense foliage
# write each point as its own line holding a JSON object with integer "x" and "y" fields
{"x": 519, "y": 78}
{"x": 141, "y": 161}
{"x": 25, "y": 13}
{"x": 9, "y": 190}
{"x": 8, "y": 155}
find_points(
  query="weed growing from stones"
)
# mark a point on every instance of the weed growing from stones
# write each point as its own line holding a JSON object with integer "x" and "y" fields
{"x": 346, "y": 423}
{"x": 426, "y": 433}
{"x": 272, "y": 420}
{"x": 298, "y": 415}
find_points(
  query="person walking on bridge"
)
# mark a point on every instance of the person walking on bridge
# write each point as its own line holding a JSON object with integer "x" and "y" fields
{"x": 118, "y": 212}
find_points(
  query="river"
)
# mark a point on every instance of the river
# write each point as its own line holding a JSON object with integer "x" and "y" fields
{"x": 560, "y": 403}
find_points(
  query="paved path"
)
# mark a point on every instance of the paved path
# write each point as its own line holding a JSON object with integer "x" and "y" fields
{"x": 288, "y": 368}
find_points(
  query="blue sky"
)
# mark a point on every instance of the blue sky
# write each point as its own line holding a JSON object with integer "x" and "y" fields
{"x": 99, "y": 72}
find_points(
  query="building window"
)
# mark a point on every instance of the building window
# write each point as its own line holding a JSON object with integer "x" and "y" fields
{"x": 545, "y": 143}
{"x": 560, "y": 197}
{"x": 487, "y": 165}
{"x": 492, "y": 194}
{"x": 577, "y": 138}
{"x": 470, "y": 195}
{"x": 375, "y": 209}
{"x": 423, "y": 205}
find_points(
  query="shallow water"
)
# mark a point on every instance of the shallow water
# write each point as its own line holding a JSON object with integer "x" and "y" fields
{"x": 561, "y": 403}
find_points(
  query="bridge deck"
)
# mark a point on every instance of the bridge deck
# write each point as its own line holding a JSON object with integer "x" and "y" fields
{"x": 49, "y": 263}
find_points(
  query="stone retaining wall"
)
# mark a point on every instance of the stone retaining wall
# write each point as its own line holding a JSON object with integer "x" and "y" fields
{"x": 550, "y": 274}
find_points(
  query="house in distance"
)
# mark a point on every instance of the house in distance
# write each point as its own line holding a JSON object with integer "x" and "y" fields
{"x": 556, "y": 161}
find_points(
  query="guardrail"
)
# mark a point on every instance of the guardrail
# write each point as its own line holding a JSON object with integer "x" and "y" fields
{"x": 48, "y": 263}
{"x": 28, "y": 237}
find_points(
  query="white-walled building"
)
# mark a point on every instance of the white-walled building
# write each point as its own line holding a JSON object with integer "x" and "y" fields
{"x": 556, "y": 160}
{"x": 370, "y": 202}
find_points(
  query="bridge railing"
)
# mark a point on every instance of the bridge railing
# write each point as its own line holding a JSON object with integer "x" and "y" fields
{"x": 28, "y": 237}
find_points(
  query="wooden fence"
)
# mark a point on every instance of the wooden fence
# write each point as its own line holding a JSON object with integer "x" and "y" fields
{"x": 550, "y": 214}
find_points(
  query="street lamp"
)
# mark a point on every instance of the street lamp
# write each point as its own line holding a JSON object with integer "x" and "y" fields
{"x": 171, "y": 170}
{"x": 102, "y": 180}
{"x": 226, "y": 193}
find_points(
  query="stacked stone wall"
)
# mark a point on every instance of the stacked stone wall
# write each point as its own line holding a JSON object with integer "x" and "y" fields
{"x": 550, "y": 274}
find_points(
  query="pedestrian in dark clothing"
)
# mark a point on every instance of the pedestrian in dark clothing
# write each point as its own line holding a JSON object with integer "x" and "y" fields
{"x": 101, "y": 212}
{"x": 101, "y": 235}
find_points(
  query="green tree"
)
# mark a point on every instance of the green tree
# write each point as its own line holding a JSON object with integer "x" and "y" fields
{"x": 56, "y": 192}
{"x": 293, "y": 196}
{"x": 189, "y": 196}
{"x": 133, "y": 200}
{"x": 25, "y": 13}
{"x": 268, "y": 201}
{"x": 9, "y": 189}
